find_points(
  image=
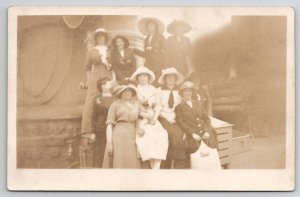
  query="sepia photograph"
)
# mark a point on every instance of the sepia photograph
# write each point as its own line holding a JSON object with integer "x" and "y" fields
{"x": 156, "y": 96}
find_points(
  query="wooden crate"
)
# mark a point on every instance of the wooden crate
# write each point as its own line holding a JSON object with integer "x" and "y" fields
{"x": 224, "y": 137}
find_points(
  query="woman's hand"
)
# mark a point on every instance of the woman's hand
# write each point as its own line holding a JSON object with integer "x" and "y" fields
{"x": 153, "y": 121}
{"x": 205, "y": 136}
{"x": 149, "y": 48}
{"x": 140, "y": 132}
{"x": 196, "y": 137}
{"x": 110, "y": 148}
{"x": 82, "y": 85}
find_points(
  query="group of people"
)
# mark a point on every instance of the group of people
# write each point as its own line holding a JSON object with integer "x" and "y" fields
{"x": 145, "y": 116}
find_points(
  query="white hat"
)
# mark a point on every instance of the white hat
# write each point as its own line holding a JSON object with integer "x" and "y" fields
{"x": 187, "y": 85}
{"x": 143, "y": 70}
{"x": 121, "y": 88}
{"x": 100, "y": 30}
{"x": 170, "y": 71}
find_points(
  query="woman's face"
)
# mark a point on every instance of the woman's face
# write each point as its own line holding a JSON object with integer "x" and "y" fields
{"x": 127, "y": 94}
{"x": 143, "y": 79}
{"x": 151, "y": 27}
{"x": 120, "y": 43}
{"x": 100, "y": 39}
{"x": 170, "y": 80}
{"x": 187, "y": 94}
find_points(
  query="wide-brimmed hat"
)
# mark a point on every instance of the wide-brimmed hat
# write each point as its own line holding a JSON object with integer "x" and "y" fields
{"x": 126, "y": 41}
{"x": 197, "y": 75}
{"x": 143, "y": 23}
{"x": 100, "y": 31}
{"x": 117, "y": 90}
{"x": 183, "y": 27}
{"x": 187, "y": 85}
{"x": 170, "y": 71}
{"x": 143, "y": 70}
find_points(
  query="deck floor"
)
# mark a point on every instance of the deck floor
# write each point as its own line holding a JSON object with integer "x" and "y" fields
{"x": 262, "y": 153}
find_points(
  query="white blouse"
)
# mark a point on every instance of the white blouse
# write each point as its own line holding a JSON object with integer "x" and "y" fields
{"x": 103, "y": 53}
{"x": 148, "y": 93}
{"x": 164, "y": 95}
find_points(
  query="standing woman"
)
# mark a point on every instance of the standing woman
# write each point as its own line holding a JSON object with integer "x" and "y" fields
{"x": 122, "y": 58}
{"x": 179, "y": 46}
{"x": 96, "y": 67}
{"x": 169, "y": 99}
{"x": 154, "y": 44}
{"x": 121, "y": 130}
{"x": 102, "y": 103}
{"x": 152, "y": 138}
{"x": 200, "y": 137}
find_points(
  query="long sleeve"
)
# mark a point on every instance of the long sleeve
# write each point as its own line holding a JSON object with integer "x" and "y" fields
{"x": 111, "y": 116}
{"x": 88, "y": 61}
{"x": 181, "y": 122}
{"x": 94, "y": 118}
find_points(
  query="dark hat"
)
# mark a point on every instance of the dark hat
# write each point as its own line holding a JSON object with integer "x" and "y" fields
{"x": 183, "y": 27}
{"x": 197, "y": 75}
{"x": 143, "y": 23}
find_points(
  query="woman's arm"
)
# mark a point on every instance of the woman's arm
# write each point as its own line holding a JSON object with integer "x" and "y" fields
{"x": 109, "y": 138}
{"x": 181, "y": 122}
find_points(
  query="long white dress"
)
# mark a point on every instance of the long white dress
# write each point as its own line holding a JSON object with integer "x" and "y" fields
{"x": 154, "y": 143}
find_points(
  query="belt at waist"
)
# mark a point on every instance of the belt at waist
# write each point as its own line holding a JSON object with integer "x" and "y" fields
{"x": 124, "y": 121}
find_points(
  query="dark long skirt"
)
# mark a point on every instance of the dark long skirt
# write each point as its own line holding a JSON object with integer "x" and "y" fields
{"x": 176, "y": 151}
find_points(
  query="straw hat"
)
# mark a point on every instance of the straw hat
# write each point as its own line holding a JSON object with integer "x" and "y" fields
{"x": 187, "y": 85}
{"x": 142, "y": 25}
{"x": 121, "y": 88}
{"x": 143, "y": 70}
{"x": 170, "y": 71}
{"x": 100, "y": 31}
{"x": 183, "y": 27}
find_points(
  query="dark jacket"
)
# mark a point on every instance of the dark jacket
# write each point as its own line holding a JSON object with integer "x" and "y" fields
{"x": 195, "y": 120}
{"x": 99, "y": 114}
{"x": 122, "y": 66}
{"x": 155, "y": 58}
{"x": 178, "y": 51}
{"x": 202, "y": 96}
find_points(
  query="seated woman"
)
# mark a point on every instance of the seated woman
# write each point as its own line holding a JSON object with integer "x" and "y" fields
{"x": 121, "y": 130}
{"x": 102, "y": 103}
{"x": 152, "y": 139}
{"x": 169, "y": 99}
{"x": 200, "y": 137}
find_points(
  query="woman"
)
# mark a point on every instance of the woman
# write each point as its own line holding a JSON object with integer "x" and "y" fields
{"x": 96, "y": 67}
{"x": 121, "y": 130}
{"x": 102, "y": 103}
{"x": 179, "y": 46}
{"x": 202, "y": 93}
{"x": 122, "y": 58}
{"x": 152, "y": 139}
{"x": 169, "y": 99}
{"x": 200, "y": 137}
{"x": 154, "y": 44}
